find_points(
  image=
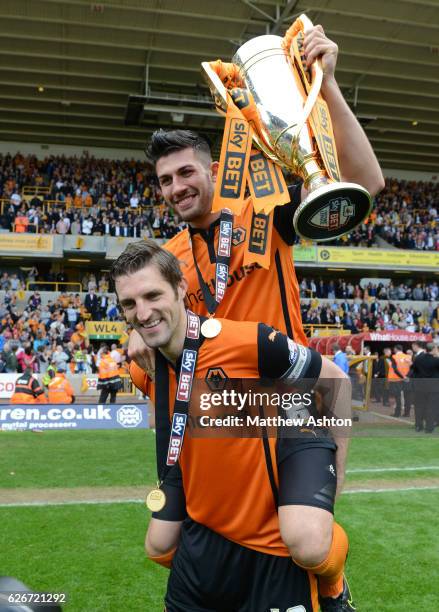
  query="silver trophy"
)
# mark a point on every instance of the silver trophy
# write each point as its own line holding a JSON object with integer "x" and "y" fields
{"x": 291, "y": 126}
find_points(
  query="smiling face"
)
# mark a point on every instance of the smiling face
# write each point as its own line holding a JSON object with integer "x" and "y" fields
{"x": 153, "y": 307}
{"x": 187, "y": 181}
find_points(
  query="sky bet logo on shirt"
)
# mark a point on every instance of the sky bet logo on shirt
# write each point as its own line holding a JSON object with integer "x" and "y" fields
{"x": 186, "y": 375}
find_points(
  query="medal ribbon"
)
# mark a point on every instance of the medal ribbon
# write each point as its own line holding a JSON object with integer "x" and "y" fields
{"x": 224, "y": 252}
{"x": 170, "y": 436}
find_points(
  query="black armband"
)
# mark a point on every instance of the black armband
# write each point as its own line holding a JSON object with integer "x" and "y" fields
{"x": 282, "y": 358}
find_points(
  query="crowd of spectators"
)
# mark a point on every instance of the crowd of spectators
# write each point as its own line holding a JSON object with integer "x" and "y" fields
{"x": 53, "y": 334}
{"x": 359, "y": 308}
{"x": 361, "y": 316}
{"x": 363, "y": 236}
{"x": 30, "y": 278}
{"x": 346, "y": 289}
{"x": 85, "y": 196}
{"x": 405, "y": 215}
{"x": 90, "y": 196}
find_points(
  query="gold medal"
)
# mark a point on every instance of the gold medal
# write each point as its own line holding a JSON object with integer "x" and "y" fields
{"x": 211, "y": 328}
{"x": 156, "y": 500}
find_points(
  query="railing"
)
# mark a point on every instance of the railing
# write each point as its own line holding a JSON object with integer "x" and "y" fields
{"x": 26, "y": 228}
{"x": 53, "y": 286}
{"x": 128, "y": 387}
{"x": 28, "y": 192}
{"x": 329, "y": 329}
{"x": 48, "y": 205}
{"x": 361, "y": 376}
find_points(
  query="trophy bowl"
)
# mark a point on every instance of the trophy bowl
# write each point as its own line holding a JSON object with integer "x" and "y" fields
{"x": 290, "y": 126}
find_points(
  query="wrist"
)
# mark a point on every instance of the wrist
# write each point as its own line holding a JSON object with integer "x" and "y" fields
{"x": 329, "y": 84}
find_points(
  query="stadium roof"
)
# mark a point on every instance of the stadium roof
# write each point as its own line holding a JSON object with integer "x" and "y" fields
{"x": 68, "y": 67}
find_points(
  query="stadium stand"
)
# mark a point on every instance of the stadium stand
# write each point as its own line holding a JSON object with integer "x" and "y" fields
{"x": 44, "y": 312}
{"x": 85, "y": 196}
{"x": 88, "y": 196}
{"x": 349, "y": 289}
{"x": 405, "y": 215}
{"x": 81, "y": 196}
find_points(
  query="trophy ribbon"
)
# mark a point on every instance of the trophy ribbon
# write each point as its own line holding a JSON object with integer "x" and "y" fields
{"x": 258, "y": 240}
{"x": 233, "y": 165}
{"x": 315, "y": 109}
{"x": 264, "y": 177}
{"x": 279, "y": 98}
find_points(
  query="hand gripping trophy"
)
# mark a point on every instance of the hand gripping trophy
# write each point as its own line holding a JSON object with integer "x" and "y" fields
{"x": 273, "y": 103}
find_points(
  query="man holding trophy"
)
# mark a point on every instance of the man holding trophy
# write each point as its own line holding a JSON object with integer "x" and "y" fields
{"x": 239, "y": 266}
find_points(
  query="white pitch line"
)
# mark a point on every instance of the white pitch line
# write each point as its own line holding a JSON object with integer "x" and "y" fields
{"x": 73, "y": 503}
{"x": 389, "y": 417}
{"x": 97, "y": 502}
{"x": 391, "y": 490}
{"x": 419, "y": 468}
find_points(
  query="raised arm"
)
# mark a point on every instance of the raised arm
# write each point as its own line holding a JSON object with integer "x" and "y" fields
{"x": 357, "y": 160}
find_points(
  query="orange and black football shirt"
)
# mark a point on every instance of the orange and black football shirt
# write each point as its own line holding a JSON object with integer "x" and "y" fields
{"x": 253, "y": 293}
{"x": 226, "y": 480}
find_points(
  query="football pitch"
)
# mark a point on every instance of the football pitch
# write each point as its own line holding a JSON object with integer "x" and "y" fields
{"x": 73, "y": 521}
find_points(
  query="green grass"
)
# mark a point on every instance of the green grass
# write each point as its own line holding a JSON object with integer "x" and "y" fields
{"x": 95, "y": 552}
{"x": 394, "y": 452}
{"x": 398, "y": 478}
{"x": 77, "y": 458}
{"x": 123, "y": 458}
{"x": 372, "y": 452}
{"x": 394, "y": 552}
{"x": 92, "y": 553}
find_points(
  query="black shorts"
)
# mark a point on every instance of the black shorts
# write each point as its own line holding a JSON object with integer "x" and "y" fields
{"x": 307, "y": 472}
{"x": 212, "y": 574}
{"x": 307, "y": 477}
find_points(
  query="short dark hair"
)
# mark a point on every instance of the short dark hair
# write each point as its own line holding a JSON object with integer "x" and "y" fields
{"x": 398, "y": 347}
{"x": 430, "y": 347}
{"x": 165, "y": 142}
{"x": 141, "y": 253}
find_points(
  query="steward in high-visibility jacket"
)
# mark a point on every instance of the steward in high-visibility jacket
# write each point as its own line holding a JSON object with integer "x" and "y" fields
{"x": 109, "y": 381}
{"x": 397, "y": 373}
{"x": 48, "y": 375}
{"x": 60, "y": 389}
{"x": 399, "y": 367}
{"x": 28, "y": 390}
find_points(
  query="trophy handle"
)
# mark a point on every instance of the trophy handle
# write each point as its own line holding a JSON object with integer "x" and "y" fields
{"x": 316, "y": 81}
{"x": 217, "y": 89}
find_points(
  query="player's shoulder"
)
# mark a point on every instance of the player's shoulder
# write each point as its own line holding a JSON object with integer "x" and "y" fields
{"x": 229, "y": 326}
{"x": 178, "y": 243}
{"x": 235, "y": 336}
{"x": 232, "y": 352}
